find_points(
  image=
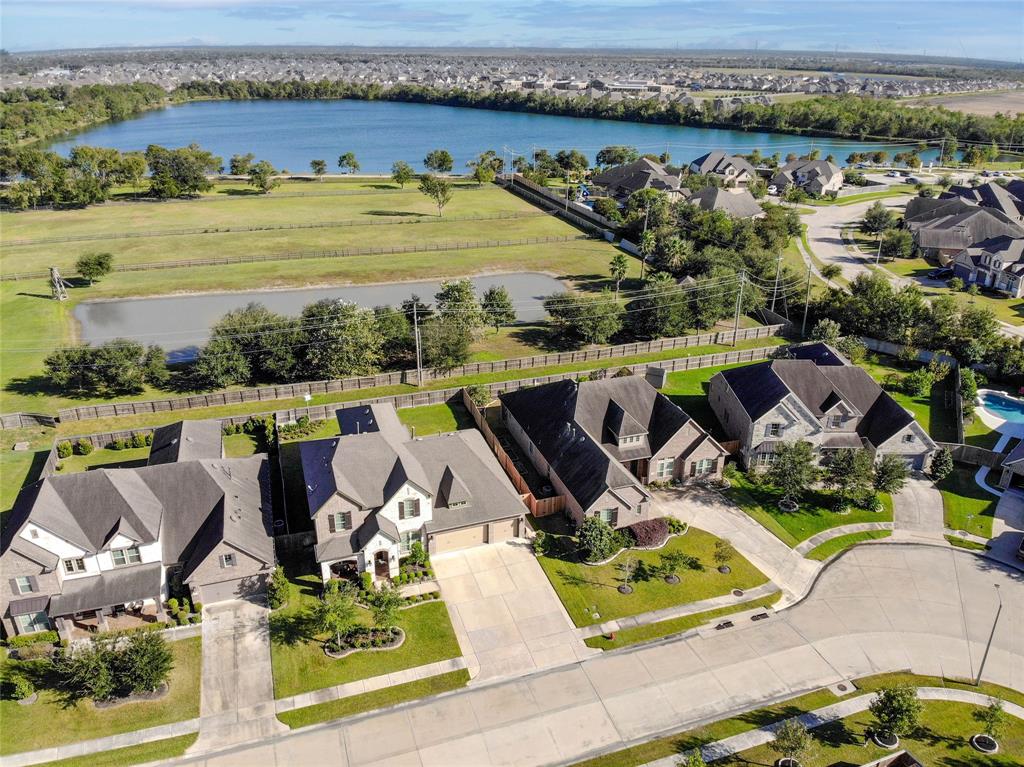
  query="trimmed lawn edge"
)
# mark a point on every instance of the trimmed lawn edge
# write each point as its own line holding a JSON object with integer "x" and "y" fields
{"x": 831, "y": 548}
{"x": 385, "y": 698}
{"x": 155, "y": 750}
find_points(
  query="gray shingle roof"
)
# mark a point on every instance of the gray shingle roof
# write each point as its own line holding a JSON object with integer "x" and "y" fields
{"x": 739, "y": 204}
{"x": 718, "y": 162}
{"x": 114, "y": 587}
{"x": 644, "y": 173}
{"x": 186, "y": 441}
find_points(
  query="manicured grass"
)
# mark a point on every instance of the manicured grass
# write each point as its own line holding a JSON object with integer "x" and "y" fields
{"x": 832, "y": 547}
{"x": 689, "y": 390}
{"x": 51, "y": 722}
{"x": 896, "y": 190}
{"x": 389, "y": 696}
{"x": 942, "y": 739}
{"x": 673, "y": 745}
{"x": 815, "y": 514}
{"x": 240, "y": 445}
{"x": 588, "y": 589}
{"x": 966, "y": 506}
{"x": 675, "y": 625}
{"x": 432, "y": 419}
{"x": 169, "y": 748}
{"x": 931, "y": 411}
{"x": 963, "y": 543}
{"x": 979, "y": 434}
{"x": 300, "y": 664}
{"x": 105, "y": 458}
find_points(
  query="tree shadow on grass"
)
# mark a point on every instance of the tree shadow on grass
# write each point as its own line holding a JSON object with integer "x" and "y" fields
{"x": 399, "y": 213}
{"x": 590, "y": 283}
{"x": 577, "y": 580}
{"x": 540, "y": 337}
{"x": 290, "y": 629}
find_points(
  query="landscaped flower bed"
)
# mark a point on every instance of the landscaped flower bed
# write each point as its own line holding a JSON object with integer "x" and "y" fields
{"x": 365, "y": 638}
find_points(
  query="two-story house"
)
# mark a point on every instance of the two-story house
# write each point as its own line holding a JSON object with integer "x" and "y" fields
{"x": 600, "y": 442}
{"x": 943, "y": 228}
{"x": 996, "y": 263}
{"x": 813, "y": 176}
{"x": 373, "y": 491}
{"x": 81, "y": 547}
{"x": 729, "y": 169}
{"x": 621, "y": 181}
{"x": 817, "y": 396}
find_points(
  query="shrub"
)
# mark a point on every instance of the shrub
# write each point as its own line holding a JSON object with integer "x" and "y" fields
{"x": 675, "y": 526}
{"x": 21, "y": 687}
{"x": 194, "y": 618}
{"x": 540, "y": 543}
{"x": 115, "y": 666}
{"x": 83, "y": 447}
{"x": 724, "y": 551}
{"x": 897, "y": 709}
{"x": 185, "y": 605}
{"x": 197, "y": 607}
{"x": 597, "y": 539}
{"x": 418, "y": 554}
{"x": 40, "y": 637}
{"x": 64, "y": 449}
{"x": 148, "y": 439}
{"x": 138, "y": 440}
{"x": 942, "y": 464}
{"x": 917, "y": 384}
{"x": 650, "y": 532}
{"x": 277, "y": 588}
{"x": 181, "y": 617}
{"x": 172, "y": 605}
{"x": 367, "y": 581}
{"x": 35, "y": 650}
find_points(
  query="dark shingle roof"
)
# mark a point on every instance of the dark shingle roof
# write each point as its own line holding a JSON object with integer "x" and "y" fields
{"x": 186, "y": 441}
{"x": 739, "y": 204}
{"x": 117, "y": 586}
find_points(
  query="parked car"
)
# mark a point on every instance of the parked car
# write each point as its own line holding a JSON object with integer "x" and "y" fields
{"x": 942, "y": 273}
{"x": 914, "y": 180}
{"x": 893, "y": 174}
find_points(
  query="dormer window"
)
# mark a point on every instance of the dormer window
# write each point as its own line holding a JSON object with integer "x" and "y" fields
{"x": 74, "y": 565}
{"x": 773, "y": 430}
{"x": 341, "y": 520}
{"x": 632, "y": 439}
{"x": 126, "y": 556}
{"x": 834, "y": 422}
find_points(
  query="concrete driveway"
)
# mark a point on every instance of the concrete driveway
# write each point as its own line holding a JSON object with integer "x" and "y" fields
{"x": 507, "y": 617}
{"x": 917, "y": 511}
{"x": 1008, "y": 529}
{"x": 237, "y": 699}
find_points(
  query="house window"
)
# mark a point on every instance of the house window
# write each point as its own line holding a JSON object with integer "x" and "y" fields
{"x": 773, "y": 430}
{"x": 834, "y": 422}
{"x": 28, "y": 624}
{"x": 611, "y": 516}
{"x": 228, "y": 560}
{"x": 410, "y": 507}
{"x": 666, "y": 468}
{"x": 23, "y": 584}
{"x": 908, "y": 438}
{"x": 341, "y": 520}
{"x": 128, "y": 556}
{"x": 458, "y": 504}
{"x": 704, "y": 466}
{"x": 767, "y": 459}
{"x": 75, "y": 565}
{"x": 408, "y": 539}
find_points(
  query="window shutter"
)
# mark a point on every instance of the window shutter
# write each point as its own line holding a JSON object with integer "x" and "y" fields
{"x": 33, "y": 583}
{"x": 416, "y": 507}
{"x": 693, "y": 469}
{"x": 14, "y": 586}
{"x": 714, "y": 466}
{"x": 330, "y": 523}
{"x": 401, "y": 509}
{"x": 767, "y": 430}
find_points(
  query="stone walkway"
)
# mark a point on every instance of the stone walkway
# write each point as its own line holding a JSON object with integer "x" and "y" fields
{"x": 918, "y": 512}
{"x": 369, "y": 684}
{"x": 237, "y": 700}
{"x": 844, "y": 708}
{"x": 707, "y": 510}
{"x": 678, "y": 611}
{"x": 805, "y": 547}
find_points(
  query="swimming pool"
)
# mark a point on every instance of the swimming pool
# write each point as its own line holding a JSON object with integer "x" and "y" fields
{"x": 1002, "y": 406}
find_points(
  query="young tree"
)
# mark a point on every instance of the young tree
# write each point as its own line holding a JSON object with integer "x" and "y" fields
{"x": 597, "y": 539}
{"x": 956, "y": 284}
{"x": 319, "y": 168}
{"x": 262, "y": 176}
{"x": 897, "y": 709}
{"x": 456, "y": 305}
{"x": 437, "y": 189}
{"x": 484, "y": 174}
{"x": 724, "y": 552}
{"x": 402, "y": 173}
{"x": 792, "y": 741}
{"x": 240, "y": 164}
{"x": 607, "y": 207}
{"x": 942, "y": 464}
{"x": 439, "y": 161}
{"x": 695, "y": 759}
{"x": 992, "y": 718}
{"x": 277, "y": 588}
{"x": 92, "y": 266}
{"x": 877, "y": 219}
{"x": 221, "y": 363}
{"x": 445, "y": 344}
{"x": 335, "y": 612}
{"x": 146, "y": 661}
{"x": 851, "y": 473}
{"x": 827, "y": 331}
{"x": 793, "y": 471}
{"x": 384, "y": 604}
{"x": 497, "y": 307}
{"x": 133, "y": 168}
{"x": 348, "y": 163}
{"x": 618, "y": 268}
{"x": 154, "y": 366}
{"x": 896, "y": 243}
{"x": 891, "y": 474}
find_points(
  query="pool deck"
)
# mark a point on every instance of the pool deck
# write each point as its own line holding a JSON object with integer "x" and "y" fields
{"x": 1006, "y": 429}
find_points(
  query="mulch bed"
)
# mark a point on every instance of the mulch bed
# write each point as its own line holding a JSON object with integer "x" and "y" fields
{"x": 135, "y": 697}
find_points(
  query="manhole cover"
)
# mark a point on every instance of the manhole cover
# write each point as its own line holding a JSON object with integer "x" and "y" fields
{"x": 841, "y": 687}
{"x": 737, "y": 592}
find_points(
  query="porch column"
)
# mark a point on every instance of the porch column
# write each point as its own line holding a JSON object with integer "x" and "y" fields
{"x": 101, "y": 619}
{"x": 63, "y": 626}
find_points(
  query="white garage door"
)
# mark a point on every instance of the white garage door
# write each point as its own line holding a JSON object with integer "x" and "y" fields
{"x": 459, "y": 539}
{"x": 238, "y": 588}
{"x": 503, "y": 530}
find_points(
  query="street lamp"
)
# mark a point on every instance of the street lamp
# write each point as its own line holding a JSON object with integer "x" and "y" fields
{"x": 988, "y": 645}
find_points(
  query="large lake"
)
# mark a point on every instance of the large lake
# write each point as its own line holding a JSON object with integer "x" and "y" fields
{"x": 291, "y": 133}
{"x": 180, "y": 324}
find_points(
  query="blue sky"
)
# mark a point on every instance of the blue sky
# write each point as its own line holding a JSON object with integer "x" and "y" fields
{"x": 973, "y": 28}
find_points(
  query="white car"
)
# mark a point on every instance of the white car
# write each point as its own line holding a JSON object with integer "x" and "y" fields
{"x": 893, "y": 174}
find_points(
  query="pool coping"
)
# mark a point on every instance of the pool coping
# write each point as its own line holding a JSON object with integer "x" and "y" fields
{"x": 993, "y": 421}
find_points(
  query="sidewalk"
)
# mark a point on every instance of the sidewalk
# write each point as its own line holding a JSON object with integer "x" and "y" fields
{"x": 677, "y": 611}
{"x": 844, "y": 708}
{"x": 805, "y": 547}
{"x": 98, "y": 745}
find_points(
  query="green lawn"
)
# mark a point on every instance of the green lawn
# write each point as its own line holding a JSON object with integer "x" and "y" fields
{"x": 979, "y": 434}
{"x": 676, "y": 744}
{"x": 675, "y": 625}
{"x": 943, "y": 739}
{"x": 240, "y": 445}
{"x": 896, "y": 190}
{"x": 931, "y": 411}
{"x": 434, "y": 419}
{"x": 368, "y": 701}
{"x": 841, "y": 543}
{"x": 815, "y": 514}
{"x": 587, "y": 589}
{"x": 689, "y": 390}
{"x": 169, "y": 748}
{"x": 51, "y": 722}
{"x": 965, "y": 505}
{"x": 300, "y": 664}
{"x": 105, "y": 458}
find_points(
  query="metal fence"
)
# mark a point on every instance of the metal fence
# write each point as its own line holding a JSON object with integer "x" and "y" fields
{"x": 310, "y": 254}
{"x": 411, "y": 219}
{"x": 578, "y": 215}
{"x": 333, "y": 386}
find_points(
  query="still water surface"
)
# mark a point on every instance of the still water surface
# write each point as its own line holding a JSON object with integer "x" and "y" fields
{"x": 180, "y": 324}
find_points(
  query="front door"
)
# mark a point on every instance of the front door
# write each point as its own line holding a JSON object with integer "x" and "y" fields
{"x": 381, "y": 568}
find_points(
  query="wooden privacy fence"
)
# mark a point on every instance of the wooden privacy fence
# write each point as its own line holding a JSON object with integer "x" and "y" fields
{"x": 538, "y": 507}
{"x": 975, "y": 456}
{"x": 293, "y": 391}
{"x": 277, "y": 227}
{"x": 26, "y": 420}
{"x": 309, "y": 254}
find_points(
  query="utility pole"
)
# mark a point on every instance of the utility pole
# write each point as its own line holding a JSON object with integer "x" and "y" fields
{"x": 778, "y": 273}
{"x": 416, "y": 335}
{"x": 991, "y": 635}
{"x": 807, "y": 304}
{"x": 878, "y": 255}
{"x": 739, "y": 307}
